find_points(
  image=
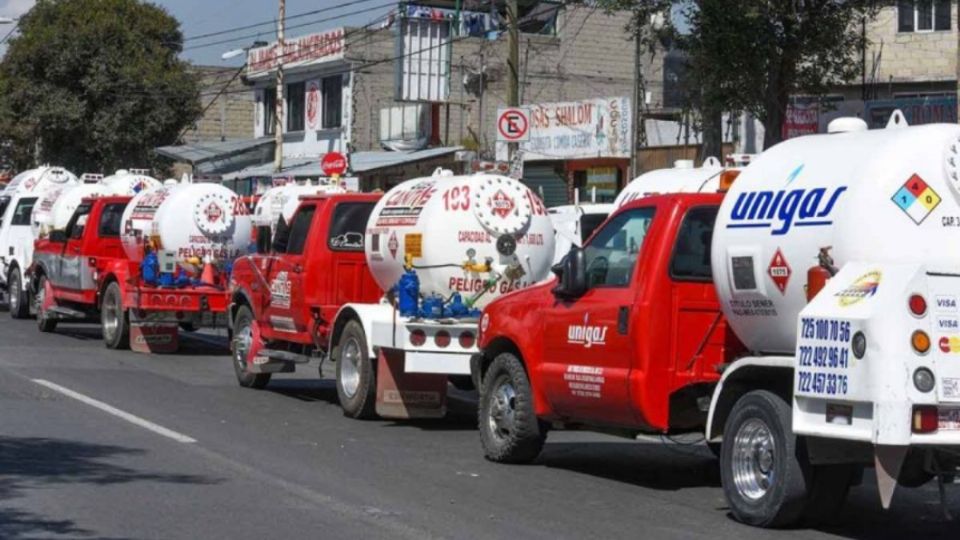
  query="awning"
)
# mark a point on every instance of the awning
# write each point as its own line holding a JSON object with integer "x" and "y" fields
{"x": 217, "y": 156}
{"x": 360, "y": 162}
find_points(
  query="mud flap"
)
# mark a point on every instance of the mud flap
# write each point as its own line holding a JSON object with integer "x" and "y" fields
{"x": 48, "y": 298}
{"x": 888, "y": 460}
{"x": 408, "y": 395}
{"x": 154, "y": 338}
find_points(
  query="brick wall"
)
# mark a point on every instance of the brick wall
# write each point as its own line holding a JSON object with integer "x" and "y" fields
{"x": 231, "y": 115}
{"x": 591, "y": 56}
{"x": 911, "y": 56}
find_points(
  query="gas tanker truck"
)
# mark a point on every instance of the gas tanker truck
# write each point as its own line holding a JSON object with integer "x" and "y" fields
{"x": 156, "y": 261}
{"x": 682, "y": 178}
{"x": 439, "y": 247}
{"x": 806, "y": 321}
{"x": 17, "y": 203}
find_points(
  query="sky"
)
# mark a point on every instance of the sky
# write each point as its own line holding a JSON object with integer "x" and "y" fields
{"x": 205, "y": 16}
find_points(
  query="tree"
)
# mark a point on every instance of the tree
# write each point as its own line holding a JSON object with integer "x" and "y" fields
{"x": 752, "y": 55}
{"x": 95, "y": 85}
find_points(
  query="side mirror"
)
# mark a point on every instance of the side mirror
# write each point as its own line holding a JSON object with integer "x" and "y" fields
{"x": 263, "y": 239}
{"x": 571, "y": 271}
{"x": 280, "y": 237}
{"x": 58, "y": 235}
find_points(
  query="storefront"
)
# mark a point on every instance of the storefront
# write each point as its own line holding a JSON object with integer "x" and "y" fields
{"x": 576, "y": 146}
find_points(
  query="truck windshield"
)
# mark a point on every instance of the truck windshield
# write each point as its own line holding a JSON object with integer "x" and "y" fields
{"x": 612, "y": 253}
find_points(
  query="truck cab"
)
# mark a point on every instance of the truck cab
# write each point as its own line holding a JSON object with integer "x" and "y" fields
{"x": 284, "y": 299}
{"x": 631, "y": 336}
{"x": 70, "y": 266}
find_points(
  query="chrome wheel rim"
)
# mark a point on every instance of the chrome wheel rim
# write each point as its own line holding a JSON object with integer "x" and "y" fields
{"x": 111, "y": 316}
{"x": 754, "y": 459}
{"x": 242, "y": 342}
{"x": 350, "y": 359}
{"x": 14, "y": 290}
{"x": 502, "y": 420}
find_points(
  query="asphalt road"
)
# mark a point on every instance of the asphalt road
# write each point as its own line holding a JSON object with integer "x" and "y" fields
{"x": 202, "y": 458}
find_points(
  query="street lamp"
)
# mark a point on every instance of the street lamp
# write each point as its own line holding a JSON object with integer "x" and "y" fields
{"x": 7, "y": 20}
{"x": 237, "y": 52}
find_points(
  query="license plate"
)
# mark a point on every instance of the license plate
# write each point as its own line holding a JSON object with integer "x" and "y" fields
{"x": 949, "y": 419}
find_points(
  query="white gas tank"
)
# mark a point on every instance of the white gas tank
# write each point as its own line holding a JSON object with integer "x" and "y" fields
{"x": 283, "y": 200}
{"x": 443, "y": 222}
{"x": 888, "y": 195}
{"x": 192, "y": 220}
{"x": 40, "y": 180}
{"x": 682, "y": 178}
{"x": 55, "y": 207}
{"x": 126, "y": 183}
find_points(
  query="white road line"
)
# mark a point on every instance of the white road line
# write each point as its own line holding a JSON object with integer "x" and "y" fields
{"x": 133, "y": 419}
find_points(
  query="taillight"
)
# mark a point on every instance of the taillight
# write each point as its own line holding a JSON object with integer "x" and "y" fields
{"x": 920, "y": 341}
{"x": 418, "y": 338}
{"x": 467, "y": 339}
{"x": 924, "y": 380}
{"x": 442, "y": 339}
{"x": 925, "y": 419}
{"x": 918, "y": 305}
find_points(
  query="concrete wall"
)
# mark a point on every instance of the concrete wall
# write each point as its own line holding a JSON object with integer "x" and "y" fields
{"x": 231, "y": 116}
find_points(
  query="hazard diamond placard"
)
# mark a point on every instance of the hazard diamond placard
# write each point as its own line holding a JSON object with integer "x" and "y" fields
{"x": 779, "y": 271}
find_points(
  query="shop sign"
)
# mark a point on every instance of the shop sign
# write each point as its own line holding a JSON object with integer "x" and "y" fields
{"x": 590, "y": 128}
{"x": 297, "y": 52}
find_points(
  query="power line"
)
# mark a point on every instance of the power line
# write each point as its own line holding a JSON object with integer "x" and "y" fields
{"x": 311, "y": 23}
{"x": 10, "y": 33}
{"x": 274, "y": 21}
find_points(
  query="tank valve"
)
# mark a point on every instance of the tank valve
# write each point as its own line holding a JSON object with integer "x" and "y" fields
{"x": 506, "y": 245}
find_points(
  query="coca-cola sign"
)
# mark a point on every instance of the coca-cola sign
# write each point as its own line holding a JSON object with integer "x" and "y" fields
{"x": 334, "y": 164}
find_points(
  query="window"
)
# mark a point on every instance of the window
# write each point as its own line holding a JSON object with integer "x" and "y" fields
{"x": 348, "y": 225}
{"x": 299, "y": 230}
{"x": 23, "y": 211}
{"x": 923, "y": 15}
{"x": 4, "y": 203}
{"x": 332, "y": 101}
{"x": 270, "y": 111}
{"x": 612, "y": 253}
{"x": 589, "y": 223}
{"x": 110, "y": 220}
{"x": 296, "y": 94}
{"x": 78, "y": 222}
{"x": 691, "y": 254}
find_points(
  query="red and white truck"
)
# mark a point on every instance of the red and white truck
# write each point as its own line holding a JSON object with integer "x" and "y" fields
{"x": 144, "y": 265}
{"x": 807, "y": 323}
{"x": 439, "y": 247}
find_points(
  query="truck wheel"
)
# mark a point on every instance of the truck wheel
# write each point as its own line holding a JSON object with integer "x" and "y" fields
{"x": 509, "y": 429}
{"x": 45, "y": 322}
{"x": 760, "y": 468}
{"x": 356, "y": 380}
{"x": 114, "y": 319}
{"x": 241, "y": 346}
{"x": 19, "y": 299}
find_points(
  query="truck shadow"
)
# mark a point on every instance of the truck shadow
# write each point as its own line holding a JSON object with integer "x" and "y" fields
{"x": 653, "y": 466}
{"x": 307, "y": 390}
{"x": 36, "y": 463}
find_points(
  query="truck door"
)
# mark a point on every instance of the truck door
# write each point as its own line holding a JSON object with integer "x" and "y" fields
{"x": 285, "y": 311}
{"x": 588, "y": 351}
{"x": 68, "y": 272}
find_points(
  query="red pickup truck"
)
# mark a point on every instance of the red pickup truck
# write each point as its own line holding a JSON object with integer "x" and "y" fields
{"x": 285, "y": 298}
{"x": 82, "y": 273}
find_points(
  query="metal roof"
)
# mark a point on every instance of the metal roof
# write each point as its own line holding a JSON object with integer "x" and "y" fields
{"x": 359, "y": 162}
{"x": 204, "y": 151}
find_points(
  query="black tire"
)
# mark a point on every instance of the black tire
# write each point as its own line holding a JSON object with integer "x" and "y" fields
{"x": 776, "y": 485}
{"x": 356, "y": 377}
{"x": 114, "y": 320}
{"x": 509, "y": 430}
{"x": 243, "y": 323}
{"x": 45, "y": 323}
{"x": 19, "y": 299}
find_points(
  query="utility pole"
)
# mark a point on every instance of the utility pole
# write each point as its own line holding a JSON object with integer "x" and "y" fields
{"x": 278, "y": 121}
{"x": 636, "y": 124}
{"x": 513, "y": 66}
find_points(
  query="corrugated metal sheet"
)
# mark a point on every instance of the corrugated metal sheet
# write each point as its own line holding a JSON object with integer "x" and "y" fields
{"x": 546, "y": 182}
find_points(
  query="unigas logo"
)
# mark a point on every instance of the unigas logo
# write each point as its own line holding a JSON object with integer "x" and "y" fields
{"x": 587, "y": 335}
{"x": 783, "y": 209}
